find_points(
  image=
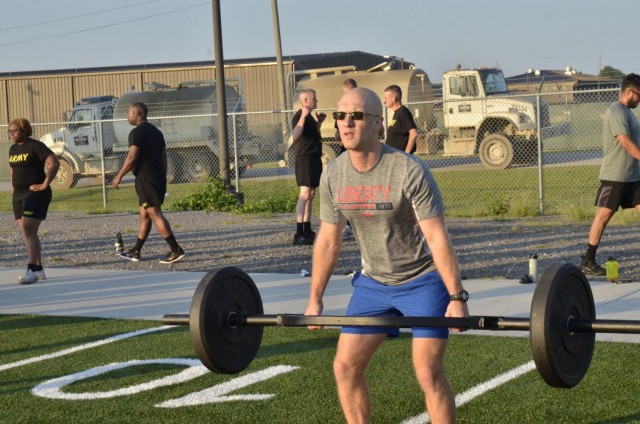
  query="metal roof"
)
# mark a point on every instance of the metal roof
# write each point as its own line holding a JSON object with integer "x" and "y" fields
{"x": 361, "y": 60}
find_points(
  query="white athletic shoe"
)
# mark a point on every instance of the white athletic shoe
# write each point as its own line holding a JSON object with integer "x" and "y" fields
{"x": 28, "y": 278}
{"x": 41, "y": 275}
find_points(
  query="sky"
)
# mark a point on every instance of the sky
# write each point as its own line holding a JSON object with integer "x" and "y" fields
{"x": 436, "y": 35}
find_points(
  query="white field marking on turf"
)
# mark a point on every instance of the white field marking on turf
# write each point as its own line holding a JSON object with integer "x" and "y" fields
{"x": 480, "y": 389}
{"x": 83, "y": 347}
{"x": 52, "y": 388}
{"x": 217, "y": 393}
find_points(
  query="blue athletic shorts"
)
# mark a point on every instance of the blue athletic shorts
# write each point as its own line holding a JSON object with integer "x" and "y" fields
{"x": 426, "y": 296}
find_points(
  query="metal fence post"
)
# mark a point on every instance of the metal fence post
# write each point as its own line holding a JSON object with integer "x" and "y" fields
{"x": 235, "y": 151}
{"x": 540, "y": 156}
{"x": 104, "y": 179}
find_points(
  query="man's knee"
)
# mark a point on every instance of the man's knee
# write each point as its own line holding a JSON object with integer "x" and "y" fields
{"x": 346, "y": 370}
{"x": 431, "y": 378}
{"x": 306, "y": 193}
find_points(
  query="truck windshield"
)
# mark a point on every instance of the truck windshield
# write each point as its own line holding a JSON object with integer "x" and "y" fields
{"x": 493, "y": 81}
{"x": 80, "y": 115}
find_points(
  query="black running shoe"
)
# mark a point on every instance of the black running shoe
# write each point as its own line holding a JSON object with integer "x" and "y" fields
{"x": 131, "y": 255}
{"x": 589, "y": 267}
{"x": 302, "y": 240}
{"x": 173, "y": 256}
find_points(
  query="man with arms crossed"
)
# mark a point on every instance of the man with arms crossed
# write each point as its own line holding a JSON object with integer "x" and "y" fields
{"x": 402, "y": 132}
{"x": 396, "y": 214}
{"x": 620, "y": 169}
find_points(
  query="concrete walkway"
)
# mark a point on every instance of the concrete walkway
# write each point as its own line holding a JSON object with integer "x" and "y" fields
{"x": 149, "y": 295}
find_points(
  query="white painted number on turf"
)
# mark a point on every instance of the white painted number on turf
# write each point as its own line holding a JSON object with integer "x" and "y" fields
{"x": 52, "y": 389}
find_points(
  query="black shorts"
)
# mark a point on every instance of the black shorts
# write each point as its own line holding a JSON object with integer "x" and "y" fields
{"x": 614, "y": 194}
{"x": 31, "y": 204}
{"x": 308, "y": 170}
{"x": 151, "y": 189}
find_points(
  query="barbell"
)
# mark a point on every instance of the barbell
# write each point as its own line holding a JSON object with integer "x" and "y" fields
{"x": 226, "y": 321}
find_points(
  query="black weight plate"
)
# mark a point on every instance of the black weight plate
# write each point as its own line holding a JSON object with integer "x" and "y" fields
{"x": 221, "y": 346}
{"x": 562, "y": 358}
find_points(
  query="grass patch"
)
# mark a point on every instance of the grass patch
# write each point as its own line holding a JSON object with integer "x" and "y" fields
{"x": 215, "y": 197}
{"x": 499, "y": 194}
{"x": 471, "y": 360}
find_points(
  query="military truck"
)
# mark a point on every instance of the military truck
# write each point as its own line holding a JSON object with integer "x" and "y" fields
{"x": 479, "y": 115}
{"x": 95, "y": 136}
{"x": 482, "y": 118}
{"x": 327, "y": 82}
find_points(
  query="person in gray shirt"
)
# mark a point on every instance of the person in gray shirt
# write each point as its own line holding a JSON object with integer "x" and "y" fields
{"x": 620, "y": 169}
{"x": 409, "y": 267}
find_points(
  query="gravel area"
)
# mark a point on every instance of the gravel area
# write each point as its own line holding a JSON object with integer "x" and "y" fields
{"x": 485, "y": 248}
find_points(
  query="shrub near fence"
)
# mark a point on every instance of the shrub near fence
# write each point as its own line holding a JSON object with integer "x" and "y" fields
{"x": 564, "y": 182}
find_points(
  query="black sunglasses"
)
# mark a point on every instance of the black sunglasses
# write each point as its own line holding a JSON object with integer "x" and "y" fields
{"x": 356, "y": 116}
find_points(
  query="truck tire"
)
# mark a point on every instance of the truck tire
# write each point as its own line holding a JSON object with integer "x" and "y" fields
{"x": 496, "y": 151}
{"x": 65, "y": 178}
{"x": 198, "y": 165}
{"x": 328, "y": 153}
{"x": 172, "y": 168}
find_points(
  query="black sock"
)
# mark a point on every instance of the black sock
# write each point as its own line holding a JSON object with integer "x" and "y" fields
{"x": 306, "y": 227}
{"x": 139, "y": 244}
{"x": 31, "y": 267}
{"x": 591, "y": 252}
{"x": 299, "y": 228}
{"x": 38, "y": 268}
{"x": 173, "y": 244}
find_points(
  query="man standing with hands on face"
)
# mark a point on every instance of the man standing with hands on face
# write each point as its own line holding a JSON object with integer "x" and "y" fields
{"x": 409, "y": 267}
{"x": 308, "y": 165}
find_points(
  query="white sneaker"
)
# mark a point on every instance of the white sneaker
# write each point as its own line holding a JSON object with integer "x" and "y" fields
{"x": 41, "y": 275}
{"x": 28, "y": 278}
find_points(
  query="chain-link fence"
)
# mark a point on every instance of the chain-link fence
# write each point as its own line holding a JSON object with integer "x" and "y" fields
{"x": 499, "y": 155}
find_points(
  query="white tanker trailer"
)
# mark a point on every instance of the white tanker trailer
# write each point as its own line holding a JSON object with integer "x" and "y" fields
{"x": 98, "y": 131}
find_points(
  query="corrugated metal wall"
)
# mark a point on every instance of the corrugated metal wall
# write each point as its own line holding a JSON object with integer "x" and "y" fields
{"x": 39, "y": 99}
{"x": 105, "y": 84}
{"x": 4, "y": 113}
{"x": 45, "y": 98}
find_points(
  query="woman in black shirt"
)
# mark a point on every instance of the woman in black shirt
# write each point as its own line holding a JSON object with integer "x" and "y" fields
{"x": 31, "y": 191}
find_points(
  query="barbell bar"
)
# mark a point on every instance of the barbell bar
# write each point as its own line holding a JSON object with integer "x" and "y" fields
{"x": 471, "y": 322}
{"x": 226, "y": 323}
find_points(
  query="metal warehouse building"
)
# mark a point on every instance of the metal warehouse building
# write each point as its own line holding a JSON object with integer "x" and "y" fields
{"x": 43, "y": 97}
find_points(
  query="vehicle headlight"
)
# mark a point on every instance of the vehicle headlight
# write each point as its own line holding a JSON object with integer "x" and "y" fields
{"x": 524, "y": 118}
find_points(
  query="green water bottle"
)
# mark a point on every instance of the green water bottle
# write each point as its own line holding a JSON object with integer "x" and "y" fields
{"x": 612, "y": 270}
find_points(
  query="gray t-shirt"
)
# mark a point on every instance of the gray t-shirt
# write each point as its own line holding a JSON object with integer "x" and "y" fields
{"x": 384, "y": 206}
{"x": 618, "y": 165}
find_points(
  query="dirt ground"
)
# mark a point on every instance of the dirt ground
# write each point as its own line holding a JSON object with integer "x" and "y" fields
{"x": 485, "y": 248}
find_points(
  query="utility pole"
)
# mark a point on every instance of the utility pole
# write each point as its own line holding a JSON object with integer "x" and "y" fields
{"x": 284, "y": 104}
{"x": 223, "y": 139}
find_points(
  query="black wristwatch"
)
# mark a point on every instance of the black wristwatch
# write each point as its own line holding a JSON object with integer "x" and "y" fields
{"x": 463, "y": 296}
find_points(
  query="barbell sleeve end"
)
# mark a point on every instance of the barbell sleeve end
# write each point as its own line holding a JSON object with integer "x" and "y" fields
{"x": 175, "y": 319}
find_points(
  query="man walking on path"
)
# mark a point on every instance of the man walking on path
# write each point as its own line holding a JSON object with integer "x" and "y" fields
{"x": 147, "y": 158}
{"x": 620, "y": 169}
